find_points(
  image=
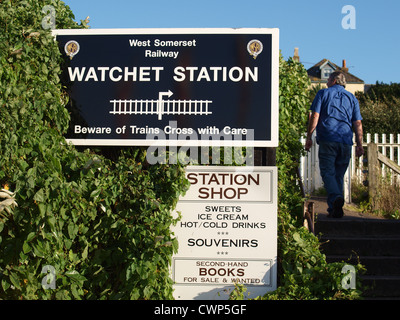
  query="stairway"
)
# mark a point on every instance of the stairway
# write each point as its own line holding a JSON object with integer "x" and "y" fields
{"x": 375, "y": 242}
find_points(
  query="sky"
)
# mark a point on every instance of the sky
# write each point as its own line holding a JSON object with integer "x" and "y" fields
{"x": 367, "y": 37}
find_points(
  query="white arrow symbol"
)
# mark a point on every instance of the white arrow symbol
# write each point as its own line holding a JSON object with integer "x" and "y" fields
{"x": 160, "y": 105}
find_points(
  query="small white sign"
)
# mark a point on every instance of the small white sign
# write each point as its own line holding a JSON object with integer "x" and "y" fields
{"x": 227, "y": 233}
{"x": 222, "y": 271}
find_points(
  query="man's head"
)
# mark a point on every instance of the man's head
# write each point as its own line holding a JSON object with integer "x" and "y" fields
{"x": 337, "y": 77}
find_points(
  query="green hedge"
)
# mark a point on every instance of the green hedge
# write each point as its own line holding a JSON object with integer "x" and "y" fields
{"x": 380, "y": 108}
{"x": 101, "y": 225}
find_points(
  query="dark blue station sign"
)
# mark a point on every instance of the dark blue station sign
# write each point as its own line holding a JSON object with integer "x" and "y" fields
{"x": 171, "y": 86}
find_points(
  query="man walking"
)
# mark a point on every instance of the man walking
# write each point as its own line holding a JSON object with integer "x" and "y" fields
{"x": 335, "y": 112}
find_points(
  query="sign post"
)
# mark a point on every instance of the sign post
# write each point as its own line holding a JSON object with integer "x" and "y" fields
{"x": 228, "y": 232}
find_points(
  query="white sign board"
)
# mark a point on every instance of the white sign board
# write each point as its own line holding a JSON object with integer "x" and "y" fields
{"x": 227, "y": 233}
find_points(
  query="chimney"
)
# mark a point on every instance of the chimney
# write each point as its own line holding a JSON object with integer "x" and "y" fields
{"x": 296, "y": 56}
{"x": 344, "y": 68}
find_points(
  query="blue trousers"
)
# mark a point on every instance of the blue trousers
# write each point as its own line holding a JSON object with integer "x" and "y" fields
{"x": 334, "y": 158}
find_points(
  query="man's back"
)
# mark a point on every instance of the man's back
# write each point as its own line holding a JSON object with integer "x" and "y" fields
{"x": 338, "y": 110}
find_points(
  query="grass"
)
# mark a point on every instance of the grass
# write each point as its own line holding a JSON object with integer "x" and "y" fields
{"x": 387, "y": 200}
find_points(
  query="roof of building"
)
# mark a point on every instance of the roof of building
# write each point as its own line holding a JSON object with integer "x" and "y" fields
{"x": 314, "y": 73}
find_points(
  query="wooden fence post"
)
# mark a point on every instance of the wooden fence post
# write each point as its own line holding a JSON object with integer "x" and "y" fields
{"x": 372, "y": 172}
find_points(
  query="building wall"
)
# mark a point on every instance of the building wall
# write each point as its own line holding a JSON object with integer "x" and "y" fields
{"x": 351, "y": 87}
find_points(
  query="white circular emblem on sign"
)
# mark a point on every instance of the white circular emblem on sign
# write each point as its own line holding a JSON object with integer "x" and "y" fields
{"x": 71, "y": 48}
{"x": 254, "y": 47}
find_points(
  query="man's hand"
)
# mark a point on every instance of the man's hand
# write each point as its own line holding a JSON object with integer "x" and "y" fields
{"x": 308, "y": 144}
{"x": 359, "y": 151}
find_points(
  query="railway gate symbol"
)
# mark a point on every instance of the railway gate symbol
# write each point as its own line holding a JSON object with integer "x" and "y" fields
{"x": 160, "y": 106}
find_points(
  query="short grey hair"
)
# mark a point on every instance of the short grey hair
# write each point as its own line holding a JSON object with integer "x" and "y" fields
{"x": 339, "y": 77}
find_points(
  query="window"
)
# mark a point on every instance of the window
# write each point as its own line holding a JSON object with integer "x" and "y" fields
{"x": 326, "y": 72}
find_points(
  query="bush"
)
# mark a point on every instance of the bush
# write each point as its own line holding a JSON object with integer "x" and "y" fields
{"x": 100, "y": 225}
{"x": 380, "y": 108}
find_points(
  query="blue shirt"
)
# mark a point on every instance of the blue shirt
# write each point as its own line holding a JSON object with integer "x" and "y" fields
{"x": 337, "y": 109}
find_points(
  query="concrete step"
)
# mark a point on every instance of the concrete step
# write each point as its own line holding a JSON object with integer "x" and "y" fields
{"x": 375, "y": 243}
{"x": 381, "y": 286}
{"x": 361, "y": 246}
{"x": 358, "y": 227}
{"x": 375, "y": 265}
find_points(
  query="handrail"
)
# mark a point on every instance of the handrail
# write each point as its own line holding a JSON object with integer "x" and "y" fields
{"x": 389, "y": 163}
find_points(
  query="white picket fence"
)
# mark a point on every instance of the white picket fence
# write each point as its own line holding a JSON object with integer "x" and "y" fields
{"x": 388, "y": 145}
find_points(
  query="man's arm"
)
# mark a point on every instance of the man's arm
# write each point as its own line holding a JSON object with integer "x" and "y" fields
{"x": 312, "y": 124}
{"x": 357, "y": 125}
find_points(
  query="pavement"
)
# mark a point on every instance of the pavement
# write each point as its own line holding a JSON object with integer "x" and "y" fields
{"x": 351, "y": 211}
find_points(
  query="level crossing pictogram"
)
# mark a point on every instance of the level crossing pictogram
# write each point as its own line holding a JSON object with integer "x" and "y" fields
{"x": 161, "y": 106}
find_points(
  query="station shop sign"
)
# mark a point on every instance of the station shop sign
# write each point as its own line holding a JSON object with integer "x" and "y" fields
{"x": 227, "y": 233}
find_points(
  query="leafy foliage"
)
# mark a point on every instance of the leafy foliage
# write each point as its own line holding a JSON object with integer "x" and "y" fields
{"x": 103, "y": 223}
{"x": 381, "y": 91}
{"x": 380, "y": 108}
{"x": 293, "y": 106}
